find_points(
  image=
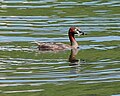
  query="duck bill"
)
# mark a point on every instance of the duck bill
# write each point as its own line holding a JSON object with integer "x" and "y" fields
{"x": 80, "y": 33}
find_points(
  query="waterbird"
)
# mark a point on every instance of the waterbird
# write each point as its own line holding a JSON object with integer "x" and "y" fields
{"x": 53, "y": 46}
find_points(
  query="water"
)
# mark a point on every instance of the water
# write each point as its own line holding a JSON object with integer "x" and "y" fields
{"x": 25, "y": 71}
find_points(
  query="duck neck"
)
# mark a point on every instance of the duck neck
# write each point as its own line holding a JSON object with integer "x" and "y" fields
{"x": 73, "y": 42}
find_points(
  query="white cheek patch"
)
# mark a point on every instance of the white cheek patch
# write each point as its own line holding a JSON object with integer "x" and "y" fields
{"x": 79, "y": 33}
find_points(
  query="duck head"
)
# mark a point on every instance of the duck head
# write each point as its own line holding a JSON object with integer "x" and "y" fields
{"x": 71, "y": 33}
{"x": 76, "y": 30}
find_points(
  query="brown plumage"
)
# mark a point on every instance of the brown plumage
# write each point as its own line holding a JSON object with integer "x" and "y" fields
{"x": 51, "y": 46}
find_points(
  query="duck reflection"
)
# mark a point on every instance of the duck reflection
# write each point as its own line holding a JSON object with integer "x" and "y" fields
{"x": 72, "y": 58}
{"x": 75, "y": 63}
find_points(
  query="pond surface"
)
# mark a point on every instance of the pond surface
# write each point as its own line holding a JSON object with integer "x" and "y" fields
{"x": 26, "y": 71}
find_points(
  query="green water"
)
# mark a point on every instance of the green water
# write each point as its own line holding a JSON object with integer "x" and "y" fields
{"x": 26, "y": 71}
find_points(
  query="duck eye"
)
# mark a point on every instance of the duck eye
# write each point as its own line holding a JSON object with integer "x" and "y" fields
{"x": 76, "y": 30}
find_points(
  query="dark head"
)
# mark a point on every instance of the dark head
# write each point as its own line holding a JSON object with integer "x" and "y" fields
{"x": 76, "y": 30}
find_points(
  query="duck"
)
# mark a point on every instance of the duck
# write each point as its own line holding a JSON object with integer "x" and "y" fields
{"x": 56, "y": 46}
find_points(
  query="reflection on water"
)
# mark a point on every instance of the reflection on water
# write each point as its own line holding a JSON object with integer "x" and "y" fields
{"x": 72, "y": 57}
{"x": 75, "y": 63}
{"x": 94, "y": 64}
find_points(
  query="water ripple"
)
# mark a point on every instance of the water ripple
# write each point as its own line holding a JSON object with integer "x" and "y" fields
{"x": 24, "y": 21}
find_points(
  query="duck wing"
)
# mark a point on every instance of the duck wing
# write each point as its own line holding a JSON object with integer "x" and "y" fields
{"x": 52, "y": 46}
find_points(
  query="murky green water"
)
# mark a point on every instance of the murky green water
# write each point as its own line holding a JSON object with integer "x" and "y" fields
{"x": 26, "y": 71}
